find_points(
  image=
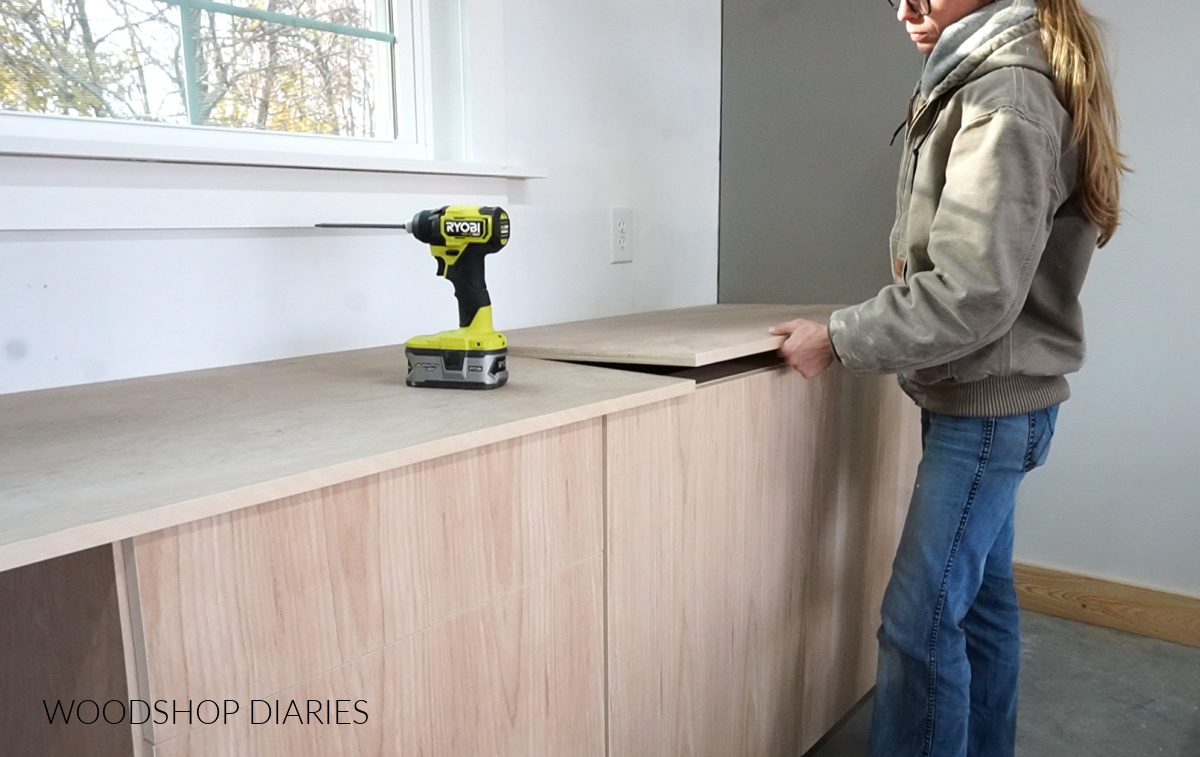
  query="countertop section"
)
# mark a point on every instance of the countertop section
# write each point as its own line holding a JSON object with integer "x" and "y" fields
{"x": 687, "y": 337}
{"x": 84, "y": 466}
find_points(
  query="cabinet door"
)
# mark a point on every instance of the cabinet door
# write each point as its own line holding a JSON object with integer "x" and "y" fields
{"x": 851, "y": 542}
{"x": 709, "y": 503}
{"x": 430, "y": 592}
{"x": 751, "y": 529}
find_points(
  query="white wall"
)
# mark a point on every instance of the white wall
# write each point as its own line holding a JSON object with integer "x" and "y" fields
{"x": 1120, "y": 496}
{"x": 618, "y": 101}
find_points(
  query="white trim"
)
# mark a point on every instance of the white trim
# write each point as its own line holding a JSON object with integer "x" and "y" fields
{"x": 420, "y": 70}
{"x": 410, "y": 94}
{"x": 37, "y": 135}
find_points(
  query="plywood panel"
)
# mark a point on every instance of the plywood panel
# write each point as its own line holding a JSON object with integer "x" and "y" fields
{"x": 520, "y": 676}
{"x": 96, "y": 464}
{"x": 60, "y": 640}
{"x": 706, "y": 555}
{"x": 248, "y": 604}
{"x": 686, "y": 337}
{"x": 852, "y": 539}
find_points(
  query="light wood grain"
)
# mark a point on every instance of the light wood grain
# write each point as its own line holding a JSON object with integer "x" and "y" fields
{"x": 686, "y": 337}
{"x": 520, "y": 676}
{"x": 658, "y": 660}
{"x": 706, "y": 539}
{"x": 852, "y": 539}
{"x": 96, "y": 464}
{"x": 250, "y": 603}
{"x": 1149, "y": 612}
{"x": 60, "y": 640}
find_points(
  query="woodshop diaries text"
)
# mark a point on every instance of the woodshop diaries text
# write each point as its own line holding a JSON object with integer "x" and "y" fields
{"x": 209, "y": 711}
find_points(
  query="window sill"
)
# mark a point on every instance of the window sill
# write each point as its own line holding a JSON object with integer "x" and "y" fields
{"x": 34, "y": 135}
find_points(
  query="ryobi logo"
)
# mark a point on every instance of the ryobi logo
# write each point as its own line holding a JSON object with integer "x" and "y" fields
{"x": 464, "y": 228}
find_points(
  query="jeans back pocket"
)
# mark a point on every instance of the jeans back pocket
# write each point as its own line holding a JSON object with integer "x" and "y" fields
{"x": 1041, "y": 431}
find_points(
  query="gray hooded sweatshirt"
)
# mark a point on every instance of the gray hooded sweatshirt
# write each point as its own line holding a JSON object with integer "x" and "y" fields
{"x": 990, "y": 245}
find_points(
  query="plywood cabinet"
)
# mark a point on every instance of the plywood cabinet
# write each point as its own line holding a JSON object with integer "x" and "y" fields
{"x": 592, "y": 562}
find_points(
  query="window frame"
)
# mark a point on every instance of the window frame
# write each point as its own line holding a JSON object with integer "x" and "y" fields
{"x": 384, "y": 7}
{"x": 53, "y": 135}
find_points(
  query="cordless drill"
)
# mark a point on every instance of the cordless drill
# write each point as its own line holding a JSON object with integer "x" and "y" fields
{"x": 473, "y": 356}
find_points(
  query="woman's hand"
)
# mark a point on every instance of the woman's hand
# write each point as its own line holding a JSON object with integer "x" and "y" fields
{"x": 807, "y": 347}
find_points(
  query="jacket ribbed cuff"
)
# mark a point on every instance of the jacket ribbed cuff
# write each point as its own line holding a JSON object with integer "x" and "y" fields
{"x": 990, "y": 397}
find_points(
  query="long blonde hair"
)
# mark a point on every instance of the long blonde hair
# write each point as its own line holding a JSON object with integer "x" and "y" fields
{"x": 1072, "y": 40}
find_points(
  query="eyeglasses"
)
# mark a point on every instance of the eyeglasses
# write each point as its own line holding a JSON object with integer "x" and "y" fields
{"x": 920, "y": 7}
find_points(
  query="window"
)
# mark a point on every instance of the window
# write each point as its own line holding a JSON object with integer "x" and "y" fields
{"x": 349, "y": 68}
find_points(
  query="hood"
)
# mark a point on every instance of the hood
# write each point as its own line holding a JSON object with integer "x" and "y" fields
{"x": 1000, "y": 34}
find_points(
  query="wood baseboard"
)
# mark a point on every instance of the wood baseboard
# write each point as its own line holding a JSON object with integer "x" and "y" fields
{"x": 1149, "y": 612}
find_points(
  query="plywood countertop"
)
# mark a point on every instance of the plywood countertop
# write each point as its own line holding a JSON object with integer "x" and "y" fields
{"x": 84, "y": 466}
{"x": 687, "y": 337}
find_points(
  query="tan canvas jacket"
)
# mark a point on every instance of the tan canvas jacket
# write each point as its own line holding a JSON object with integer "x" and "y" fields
{"x": 990, "y": 245}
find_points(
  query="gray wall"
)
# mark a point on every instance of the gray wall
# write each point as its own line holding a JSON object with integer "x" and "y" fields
{"x": 811, "y": 93}
{"x": 808, "y": 94}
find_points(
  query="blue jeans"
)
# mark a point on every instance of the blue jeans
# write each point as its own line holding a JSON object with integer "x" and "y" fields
{"x": 949, "y": 644}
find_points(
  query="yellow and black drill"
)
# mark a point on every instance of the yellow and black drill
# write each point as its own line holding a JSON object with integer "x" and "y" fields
{"x": 473, "y": 356}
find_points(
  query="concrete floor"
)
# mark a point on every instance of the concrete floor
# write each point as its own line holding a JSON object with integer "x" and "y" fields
{"x": 1086, "y": 692}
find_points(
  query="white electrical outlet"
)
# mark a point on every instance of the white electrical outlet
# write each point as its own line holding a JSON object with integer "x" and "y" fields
{"x": 622, "y": 235}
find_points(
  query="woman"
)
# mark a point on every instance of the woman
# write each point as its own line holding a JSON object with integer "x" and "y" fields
{"x": 1009, "y": 181}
